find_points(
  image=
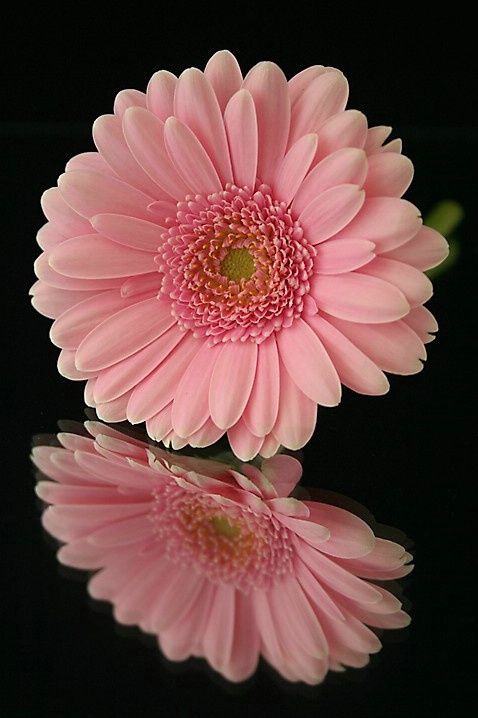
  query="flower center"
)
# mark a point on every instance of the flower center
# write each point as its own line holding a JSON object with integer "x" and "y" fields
{"x": 238, "y": 264}
{"x": 235, "y": 264}
{"x": 228, "y": 544}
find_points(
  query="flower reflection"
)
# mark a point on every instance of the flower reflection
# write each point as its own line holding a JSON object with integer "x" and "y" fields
{"x": 216, "y": 558}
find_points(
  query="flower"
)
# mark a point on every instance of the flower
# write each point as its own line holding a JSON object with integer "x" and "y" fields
{"x": 218, "y": 562}
{"x": 235, "y": 251}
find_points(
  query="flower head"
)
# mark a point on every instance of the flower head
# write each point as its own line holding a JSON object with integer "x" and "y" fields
{"x": 233, "y": 253}
{"x": 217, "y": 562}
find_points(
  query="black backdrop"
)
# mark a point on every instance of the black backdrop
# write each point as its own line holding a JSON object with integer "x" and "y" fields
{"x": 406, "y": 456}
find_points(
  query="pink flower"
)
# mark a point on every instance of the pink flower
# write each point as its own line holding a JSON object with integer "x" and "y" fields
{"x": 233, "y": 253}
{"x": 218, "y": 562}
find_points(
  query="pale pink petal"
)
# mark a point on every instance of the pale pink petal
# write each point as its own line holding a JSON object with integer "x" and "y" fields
{"x": 394, "y": 347}
{"x": 261, "y": 410}
{"x": 114, "y": 410}
{"x": 48, "y": 275}
{"x": 160, "y": 424}
{"x": 142, "y": 284}
{"x": 331, "y": 211}
{"x": 110, "y": 141}
{"x": 307, "y": 530}
{"x": 144, "y": 133}
{"x": 389, "y": 175}
{"x": 224, "y": 74}
{"x": 308, "y": 363}
{"x": 196, "y": 105}
{"x": 241, "y": 127}
{"x": 297, "y": 414}
{"x": 270, "y": 446}
{"x": 387, "y": 221}
{"x": 244, "y": 443}
{"x": 66, "y": 366}
{"x": 427, "y": 249}
{"x": 315, "y": 591}
{"x": 91, "y": 193}
{"x": 359, "y": 298}
{"x": 354, "y": 368}
{"x": 350, "y": 537}
{"x": 95, "y": 257}
{"x": 294, "y": 168}
{"x": 345, "y": 129}
{"x": 190, "y": 158}
{"x": 124, "y": 333}
{"x": 245, "y": 650}
{"x": 128, "y": 98}
{"x": 325, "y": 96}
{"x": 208, "y": 434}
{"x": 283, "y": 472}
{"x": 393, "y": 146}
{"x": 52, "y": 302}
{"x": 376, "y": 136}
{"x": 231, "y": 382}
{"x": 157, "y": 390}
{"x": 178, "y": 591}
{"x": 49, "y": 236}
{"x": 345, "y": 166}
{"x": 160, "y": 94}
{"x": 89, "y": 161}
{"x": 129, "y": 231}
{"x": 191, "y": 400}
{"x": 183, "y": 638}
{"x": 268, "y": 86}
{"x": 336, "y": 256}
{"x": 300, "y": 82}
{"x": 219, "y": 632}
{"x": 119, "y": 378}
{"x": 66, "y": 220}
{"x": 423, "y": 323}
{"x": 414, "y": 285}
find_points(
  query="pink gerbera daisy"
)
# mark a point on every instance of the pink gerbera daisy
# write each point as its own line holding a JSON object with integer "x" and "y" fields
{"x": 218, "y": 562}
{"x": 234, "y": 252}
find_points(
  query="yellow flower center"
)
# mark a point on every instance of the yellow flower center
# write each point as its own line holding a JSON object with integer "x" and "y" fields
{"x": 238, "y": 264}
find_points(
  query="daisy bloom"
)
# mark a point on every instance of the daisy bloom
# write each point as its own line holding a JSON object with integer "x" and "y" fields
{"x": 217, "y": 562}
{"x": 233, "y": 253}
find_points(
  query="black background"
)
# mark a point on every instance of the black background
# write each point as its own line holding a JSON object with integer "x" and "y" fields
{"x": 406, "y": 456}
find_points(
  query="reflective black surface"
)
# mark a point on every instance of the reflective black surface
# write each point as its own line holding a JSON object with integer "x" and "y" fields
{"x": 406, "y": 456}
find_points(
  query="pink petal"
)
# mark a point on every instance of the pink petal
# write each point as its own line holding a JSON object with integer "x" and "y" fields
{"x": 245, "y": 649}
{"x": 190, "y": 158}
{"x": 224, "y": 74}
{"x": 160, "y": 424}
{"x": 179, "y": 588}
{"x": 270, "y": 446}
{"x": 66, "y": 366}
{"x": 185, "y": 636}
{"x": 196, "y": 105}
{"x": 423, "y": 323}
{"x": 376, "y": 136}
{"x": 231, "y": 382}
{"x": 309, "y": 531}
{"x": 241, "y": 127}
{"x": 323, "y": 97}
{"x": 244, "y": 443}
{"x": 129, "y": 231}
{"x": 308, "y": 363}
{"x": 427, "y": 249}
{"x": 191, "y": 400}
{"x": 121, "y": 377}
{"x": 300, "y": 82}
{"x": 288, "y": 506}
{"x": 160, "y": 94}
{"x": 316, "y": 593}
{"x": 110, "y": 141}
{"x": 354, "y": 368}
{"x": 345, "y": 129}
{"x": 124, "y": 333}
{"x": 52, "y": 302}
{"x": 66, "y": 220}
{"x": 268, "y": 86}
{"x": 49, "y": 236}
{"x": 359, "y": 298}
{"x": 218, "y": 636}
{"x": 208, "y": 434}
{"x": 331, "y": 211}
{"x": 157, "y": 390}
{"x": 72, "y": 326}
{"x": 48, "y": 275}
{"x": 144, "y": 133}
{"x": 95, "y": 257}
{"x": 142, "y": 284}
{"x": 394, "y": 347}
{"x": 415, "y": 285}
{"x": 350, "y": 537}
{"x": 294, "y": 168}
{"x": 297, "y": 414}
{"x": 283, "y": 472}
{"x": 345, "y": 166}
{"x": 128, "y": 98}
{"x": 114, "y": 410}
{"x": 389, "y": 175}
{"x": 261, "y": 409}
{"x": 393, "y": 146}
{"x": 89, "y": 161}
{"x": 337, "y": 256}
{"x": 91, "y": 193}
{"x": 386, "y": 221}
